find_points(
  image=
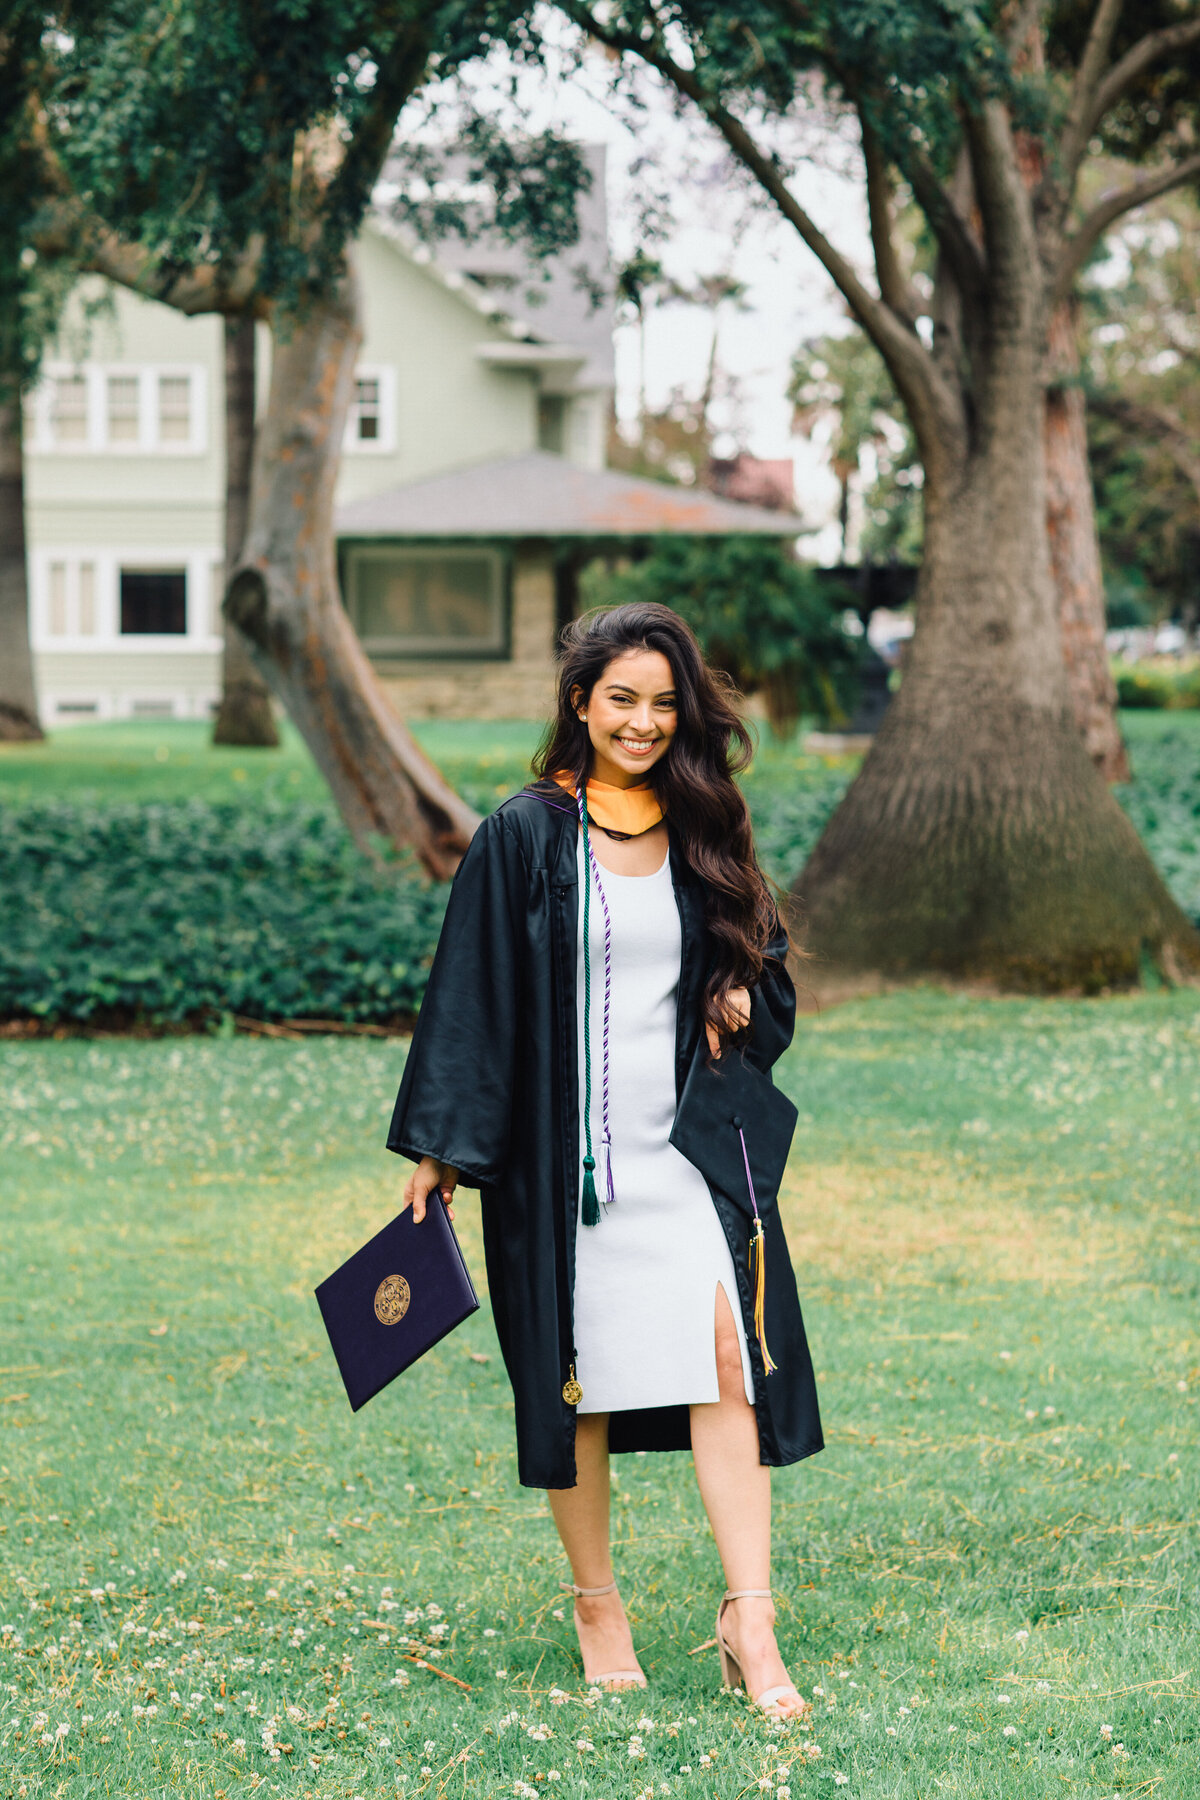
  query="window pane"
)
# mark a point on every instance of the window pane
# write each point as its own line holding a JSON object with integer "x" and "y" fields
{"x": 366, "y": 392}
{"x": 174, "y": 409}
{"x": 58, "y": 599}
{"x": 123, "y": 409}
{"x": 87, "y": 599}
{"x": 153, "y": 600}
{"x": 70, "y": 410}
{"x": 429, "y": 603}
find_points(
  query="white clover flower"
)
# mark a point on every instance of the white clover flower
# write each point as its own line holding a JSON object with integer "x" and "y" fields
{"x": 1003, "y": 1700}
{"x": 1106, "y": 1731}
{"x": 1010, "y": 1731}
{"x": 783, "y": 1793}
{"x": 501, "y": 1674}
{"x": 430, "y": 1747}
{"x": 584, "y": 1744}
{"x": 706, "y": 1762}
{"x": 636, "y": 1748}
{"x": 553, "y": 1775}
{"x": 558, "y": 1697}
{"x": 685, "y": 1768}
{"x": 1042, "y": 1687}
{"x": 238, "y": 1746}
{"x": 1021, "y": 1636}
{"x": 645, "y": 1724}
{"x": 840, "y": 1780}
{"x": 890, "y": 1730}
{"x": 902, "y": 1711}
{"x": 539, "y": 1733}
{"x": 488, "y": 1631}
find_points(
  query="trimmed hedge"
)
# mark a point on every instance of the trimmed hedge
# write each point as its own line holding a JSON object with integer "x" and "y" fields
{"x": 173, "y": 913}
{"x": 184, "y": 912}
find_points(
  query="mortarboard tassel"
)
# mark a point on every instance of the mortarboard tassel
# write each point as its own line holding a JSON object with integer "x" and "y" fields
{"x": 758, "y": 1274}
{"x": 758, "y": 1263}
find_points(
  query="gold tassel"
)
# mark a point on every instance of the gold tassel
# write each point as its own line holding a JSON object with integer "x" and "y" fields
{"x": 758, "y": 1272}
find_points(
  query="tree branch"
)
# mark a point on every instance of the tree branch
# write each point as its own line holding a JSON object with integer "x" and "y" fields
{"x": 893, "y": 283}
{"x": 69, "y": 229}
{"x": 935, "y": 408}
{"x": 1080, "y": 113}
{"x": 1157, "y": 422}
{"x": 953, "y": 234}
{"x": 397, "y": 80}
{"x": 1147, "y": 51}
{"x": 1107, "y": 210}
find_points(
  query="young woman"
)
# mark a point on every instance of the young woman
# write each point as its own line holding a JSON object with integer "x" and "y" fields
{"x": 545, "y": 1070}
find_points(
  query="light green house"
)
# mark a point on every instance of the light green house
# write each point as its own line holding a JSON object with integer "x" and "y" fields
{"x": 470, "y": 365}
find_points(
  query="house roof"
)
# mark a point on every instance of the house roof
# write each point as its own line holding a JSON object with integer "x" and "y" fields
{"x": 567, "y": 298}
{"x": 542, "y": 495}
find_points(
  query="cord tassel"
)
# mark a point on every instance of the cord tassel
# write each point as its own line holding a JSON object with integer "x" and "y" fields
{"x": 758, "y": 1274}
{"x": 591, "y": 1206}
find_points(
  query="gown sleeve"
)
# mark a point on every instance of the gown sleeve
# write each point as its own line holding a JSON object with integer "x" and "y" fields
{"x": 455, "y": 1099}
{"x": 772, "y": 1004}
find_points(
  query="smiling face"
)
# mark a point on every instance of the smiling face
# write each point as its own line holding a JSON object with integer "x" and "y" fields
{"x": 630, "y": 716}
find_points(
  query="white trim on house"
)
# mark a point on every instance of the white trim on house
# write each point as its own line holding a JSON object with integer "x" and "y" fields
{"x": 75, "y": 598}
{"x": 98, "y": 439}
{"x": 384, "y": 413}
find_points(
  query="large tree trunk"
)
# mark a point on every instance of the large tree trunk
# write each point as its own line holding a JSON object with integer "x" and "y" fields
{"x": 18, "y": 695}
{"x": 244, "y": 717}
{"x": 284, "y": 597}
{"x": 1075, "y": 554}
{"x": 978, "y": 839}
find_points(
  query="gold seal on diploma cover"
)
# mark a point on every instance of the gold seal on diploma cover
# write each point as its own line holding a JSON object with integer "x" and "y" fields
{"x": 572, "y": 1392}
{"x": 391, "y": 1299}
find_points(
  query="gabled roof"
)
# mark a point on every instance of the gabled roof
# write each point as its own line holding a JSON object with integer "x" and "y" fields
{"x": 565, "y": 299}
{"x": 542, "y": 495}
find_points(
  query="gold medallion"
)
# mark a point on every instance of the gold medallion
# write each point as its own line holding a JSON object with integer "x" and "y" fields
{"x": 572, "y": 1392}
{"x": 391, "y": 1299}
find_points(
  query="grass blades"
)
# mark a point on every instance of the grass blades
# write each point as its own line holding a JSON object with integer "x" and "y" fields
{"x": 214, "y": 1580}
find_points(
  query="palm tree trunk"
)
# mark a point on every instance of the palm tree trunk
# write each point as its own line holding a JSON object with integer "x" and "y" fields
{"x": 284, "y": 597}
{"x": 244, "y": 717}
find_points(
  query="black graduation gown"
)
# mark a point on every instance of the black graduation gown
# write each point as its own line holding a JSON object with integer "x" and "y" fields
{"x": 491, "y": 1087}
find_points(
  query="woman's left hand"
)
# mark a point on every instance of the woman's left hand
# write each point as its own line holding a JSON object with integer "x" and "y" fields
{"x": 737, "y": 1014}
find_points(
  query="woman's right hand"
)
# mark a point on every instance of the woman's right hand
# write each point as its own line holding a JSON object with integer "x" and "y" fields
{"x": 427, "y": 1176}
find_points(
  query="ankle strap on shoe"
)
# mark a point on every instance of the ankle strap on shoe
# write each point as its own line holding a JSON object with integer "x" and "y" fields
{"x": 570, "y": 1587}
{"x": 748, "y": 1594}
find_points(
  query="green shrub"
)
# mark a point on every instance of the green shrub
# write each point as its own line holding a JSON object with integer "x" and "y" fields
{"x": 169, "y": 913}
{"x": 1151, "y": 685}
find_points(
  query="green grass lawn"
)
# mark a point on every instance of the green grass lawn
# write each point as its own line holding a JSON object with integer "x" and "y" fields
{"x": 987, "y": 1581}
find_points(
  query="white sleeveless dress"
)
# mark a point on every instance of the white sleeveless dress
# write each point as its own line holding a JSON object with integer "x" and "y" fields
{"x": 646, "y": 1276}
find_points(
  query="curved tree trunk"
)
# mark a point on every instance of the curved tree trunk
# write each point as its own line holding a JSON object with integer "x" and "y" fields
{"x": 284, "y": 598}
{"x": 1075, "y": 554}
{"x": 978, "y": 839}
{"x": 245, "y": 717}
{"x": 18, "y": 695}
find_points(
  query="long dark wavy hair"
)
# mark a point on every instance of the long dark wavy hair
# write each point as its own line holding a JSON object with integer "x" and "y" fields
{"x": 693, "y": 780}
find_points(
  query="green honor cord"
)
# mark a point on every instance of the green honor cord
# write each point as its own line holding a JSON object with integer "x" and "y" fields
{"x": 591, "y": 1205}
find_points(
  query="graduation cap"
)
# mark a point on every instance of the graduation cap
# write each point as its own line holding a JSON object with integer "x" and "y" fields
{"x": 736, "y": 1127}
{"x": 395, "y": 1299}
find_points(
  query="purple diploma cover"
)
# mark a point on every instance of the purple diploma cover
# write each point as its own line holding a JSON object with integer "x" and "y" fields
{"x": 395, "y": 1298}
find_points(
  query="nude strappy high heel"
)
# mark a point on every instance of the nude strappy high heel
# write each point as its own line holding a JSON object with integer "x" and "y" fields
{"x": 731, "y": 1669}
{"x": 627, "y": 1677}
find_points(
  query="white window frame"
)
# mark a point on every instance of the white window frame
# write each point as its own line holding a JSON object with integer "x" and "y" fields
{"x": 203, "y": 574}
{"x": 385, "y": 443}
{"x": 147, "y": 443}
